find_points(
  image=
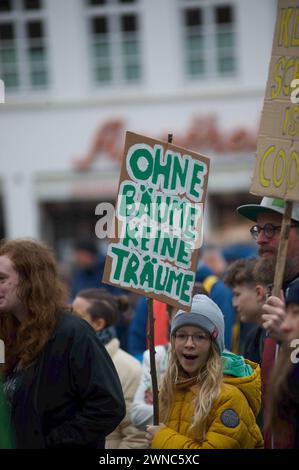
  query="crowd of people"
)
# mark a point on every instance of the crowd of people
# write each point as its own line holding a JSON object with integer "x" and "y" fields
{"x": 77, "y": 370}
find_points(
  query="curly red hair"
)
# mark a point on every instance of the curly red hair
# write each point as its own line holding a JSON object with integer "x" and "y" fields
{"x": 43, "y": 295}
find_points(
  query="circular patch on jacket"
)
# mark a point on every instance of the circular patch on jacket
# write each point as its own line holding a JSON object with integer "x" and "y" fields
{"x": 230, "y": 418}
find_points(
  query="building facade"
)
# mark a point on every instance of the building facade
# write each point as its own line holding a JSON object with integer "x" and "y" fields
{"x": 79, "y": 73}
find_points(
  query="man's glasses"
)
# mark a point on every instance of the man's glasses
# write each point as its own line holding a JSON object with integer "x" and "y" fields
{"x": 197, "y": 339}
{"x": 268, "y": 229}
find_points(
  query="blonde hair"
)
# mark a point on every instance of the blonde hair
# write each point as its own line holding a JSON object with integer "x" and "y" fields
{"x": 209, "y": 380}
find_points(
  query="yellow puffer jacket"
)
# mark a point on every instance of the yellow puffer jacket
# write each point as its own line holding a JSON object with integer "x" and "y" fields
{"x": 232, "y": 423}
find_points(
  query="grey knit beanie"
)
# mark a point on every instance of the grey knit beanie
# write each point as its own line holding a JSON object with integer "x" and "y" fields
{"x": 206, "y": 315}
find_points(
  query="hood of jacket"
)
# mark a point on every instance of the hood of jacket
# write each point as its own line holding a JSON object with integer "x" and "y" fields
{"x": 245, "y": 375}
{"x": 112, "y": 347}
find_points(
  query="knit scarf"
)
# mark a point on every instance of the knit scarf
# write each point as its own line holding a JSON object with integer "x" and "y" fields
{"x": 183, "y": 383}
{"x": 106, "y": 335}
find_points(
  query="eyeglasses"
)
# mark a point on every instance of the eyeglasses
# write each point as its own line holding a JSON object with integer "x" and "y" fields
{"x": 268, "y": 229}
{"x": 197, "y": 339}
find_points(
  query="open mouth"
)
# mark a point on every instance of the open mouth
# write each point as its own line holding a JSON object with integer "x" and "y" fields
{"x": 266, "y": 252}
{"x": 189, "y": 357}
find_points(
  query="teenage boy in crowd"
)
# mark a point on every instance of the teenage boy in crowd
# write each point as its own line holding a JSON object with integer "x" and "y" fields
{"x": 248, "y": 279}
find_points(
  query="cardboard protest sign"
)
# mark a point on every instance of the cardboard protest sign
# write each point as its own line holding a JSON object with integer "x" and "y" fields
{"x": 276, "y": 170}
{"x": 158, "y": 220}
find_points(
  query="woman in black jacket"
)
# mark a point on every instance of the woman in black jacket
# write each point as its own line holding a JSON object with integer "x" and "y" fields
{"x": 60, "y": 382}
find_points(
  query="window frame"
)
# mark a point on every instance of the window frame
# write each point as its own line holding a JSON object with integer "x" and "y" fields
{"x": 113, "y": 12}
{"x": 211, "y": 52}
{"x": 20, "y": 18}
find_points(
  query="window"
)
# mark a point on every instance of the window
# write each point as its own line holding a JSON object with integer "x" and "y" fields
{"x": 114, "y": 31}
{"x": 209, "y": 38}
{"x": 23, "y": 48}
{"x": 225, "y": 39}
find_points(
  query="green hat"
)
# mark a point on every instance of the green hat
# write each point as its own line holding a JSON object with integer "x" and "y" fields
{"x": 267, "y": 204}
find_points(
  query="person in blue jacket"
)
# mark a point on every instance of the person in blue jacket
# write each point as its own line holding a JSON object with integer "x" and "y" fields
{"x": 87, "y": 273}
{"x": 221, "y": 295}
{"x": 138, "y": 329}
{"x": 88, "y": 268}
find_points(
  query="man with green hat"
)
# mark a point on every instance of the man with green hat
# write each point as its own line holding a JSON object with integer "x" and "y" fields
{"x": 266, "y": 232}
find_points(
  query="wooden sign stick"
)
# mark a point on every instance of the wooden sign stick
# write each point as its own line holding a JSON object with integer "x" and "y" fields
{"x": 282, "y": 249}
{"x": 152, "y": 352}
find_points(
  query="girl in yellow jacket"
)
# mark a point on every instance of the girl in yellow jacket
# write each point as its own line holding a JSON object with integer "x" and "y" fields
{"x": 200, "y": 407}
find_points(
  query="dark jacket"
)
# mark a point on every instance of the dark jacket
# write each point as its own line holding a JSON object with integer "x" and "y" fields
{"x": 293, "y": 383}
{"x": 71, "y": 396}
{"x": 284, "y": 440}
{"x": 6, "y": 441}
{"x": 254, "y": 344}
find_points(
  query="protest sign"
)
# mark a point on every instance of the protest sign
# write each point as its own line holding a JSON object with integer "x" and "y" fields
{"x": 276, "y": 170}
{"x": 158, "y": 222}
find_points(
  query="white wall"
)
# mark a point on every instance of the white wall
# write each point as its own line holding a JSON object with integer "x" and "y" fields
{"x": 68, "y": 51}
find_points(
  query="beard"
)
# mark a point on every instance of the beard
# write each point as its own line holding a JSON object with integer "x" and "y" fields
{"x": 264, "y": 271}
